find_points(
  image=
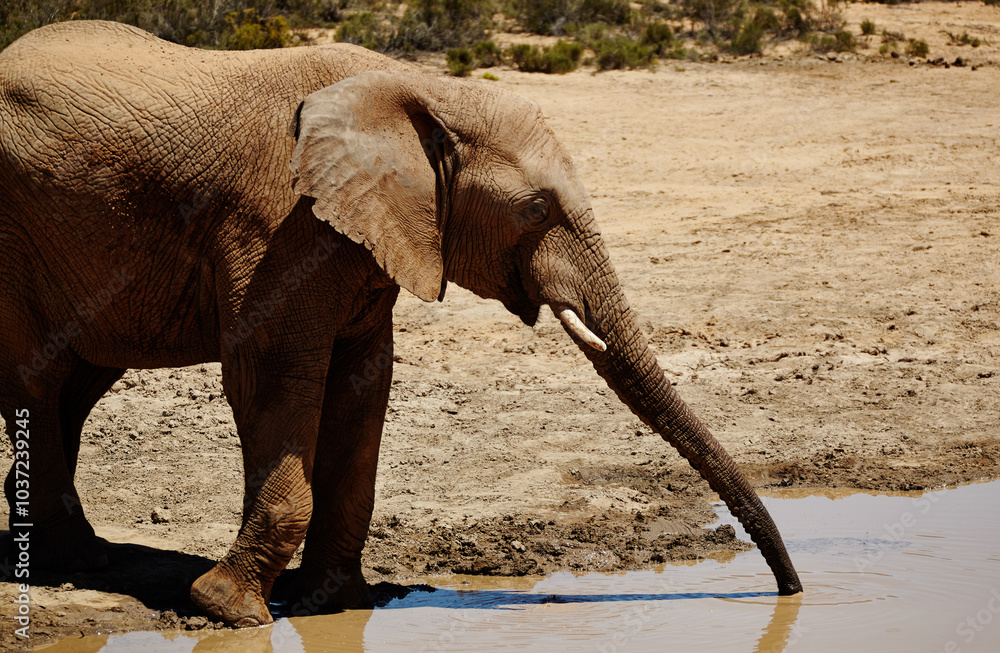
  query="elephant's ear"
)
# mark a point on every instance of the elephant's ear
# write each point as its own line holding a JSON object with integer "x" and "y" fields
{"x": 370, "y": 151}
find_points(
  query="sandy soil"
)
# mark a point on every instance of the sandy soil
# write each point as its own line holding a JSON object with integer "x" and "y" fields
{"x": 812, "y": 248}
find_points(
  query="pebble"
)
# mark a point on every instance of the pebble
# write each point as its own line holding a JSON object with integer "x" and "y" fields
{"x": 161, "y": 515}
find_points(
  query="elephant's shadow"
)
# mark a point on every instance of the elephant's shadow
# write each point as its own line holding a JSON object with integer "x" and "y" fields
{"x": 159, "y": 578}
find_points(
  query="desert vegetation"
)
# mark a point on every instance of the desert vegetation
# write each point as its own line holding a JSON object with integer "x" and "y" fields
{"x": 229, "y": 24}
{"x": 606, "y": 33}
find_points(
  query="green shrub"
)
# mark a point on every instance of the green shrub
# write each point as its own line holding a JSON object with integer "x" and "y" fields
{"x": 434, "y": 25}
{"x": 917, "y": 48}
{"x": 589, "y": 34}
{"x": 681, "y": 53}
{"x": 714, "y": 14}
{"x": 460, "y": 61}
{"x": 892, "y": 36}
{"x": 845, "y": 41}
{"x": 560, "y": 58}
{"x": 363, "y": 29}
{"x": 615, "y": 12}
{"x": 797, "y": 16}
{"x": 525, "y": 57}
{"x": 456, "y": 22}
{"x": 748, "y": 39}
{"x": 658, "y": 36}
{"x": 766, "y": 19}
{"x": 487, "y": 54}
{"x": 412, "y": 34}
{"x": 614, "y": 49}
{"x": 491, "y": 77}
{"x": 964, "y": 39}
{"x": 839, "y": 41}
{"x": 741, "y": 26}
{"x": 18, "y": 17}
{"x": 190, "y": 22}
{"x": 555, "y": 16}
{"x": 867, "y": 27}
{"x": 623, "y": 52}
{"x": 247, "y": 30}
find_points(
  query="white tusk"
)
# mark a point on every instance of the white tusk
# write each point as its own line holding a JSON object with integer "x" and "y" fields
{"x": 572, "y": 321}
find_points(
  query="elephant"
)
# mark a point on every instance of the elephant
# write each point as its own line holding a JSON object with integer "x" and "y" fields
{"x": 165, "y": 206}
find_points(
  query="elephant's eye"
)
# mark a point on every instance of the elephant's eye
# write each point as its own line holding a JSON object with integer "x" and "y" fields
{"x": 537, "y": 211}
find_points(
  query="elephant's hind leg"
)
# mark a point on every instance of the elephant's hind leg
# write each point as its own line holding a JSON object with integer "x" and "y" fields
{"x": 48, "y": 408}
{"x": 82, "y": 390}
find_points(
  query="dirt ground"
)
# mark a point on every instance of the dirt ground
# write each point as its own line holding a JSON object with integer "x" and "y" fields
{"x": 812, "y": 248}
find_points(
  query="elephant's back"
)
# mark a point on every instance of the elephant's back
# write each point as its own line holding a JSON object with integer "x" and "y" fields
{"x": 89, "y": 102}
{"x": 91, "y": 49}
{"x": 77, "y": 35}
{"x": 85, "y": 68}
{"x": 92, "y": 72}
{"x": 76, "y": 46}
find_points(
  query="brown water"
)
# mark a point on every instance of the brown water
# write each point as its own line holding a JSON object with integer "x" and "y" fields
{"x": 881, "y": 573}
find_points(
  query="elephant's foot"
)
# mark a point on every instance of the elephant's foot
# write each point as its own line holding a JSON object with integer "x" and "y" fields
{"x": 63, "y": 547}
{"x": 221, "y": 596}
{"x": 326, "y": 591}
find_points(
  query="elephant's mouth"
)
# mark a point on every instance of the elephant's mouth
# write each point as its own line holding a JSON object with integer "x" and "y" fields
{"x": 517, "y": 300}
{"x": 524, "y": 309}
{"x": 519, "y": 303}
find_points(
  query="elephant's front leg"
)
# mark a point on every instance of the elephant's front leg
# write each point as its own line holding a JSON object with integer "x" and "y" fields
{"x": 357, "y": 392}
{"x": 277, "y": 416}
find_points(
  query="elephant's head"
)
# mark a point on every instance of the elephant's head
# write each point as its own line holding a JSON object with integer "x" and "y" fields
{"x": 455, "y": 181}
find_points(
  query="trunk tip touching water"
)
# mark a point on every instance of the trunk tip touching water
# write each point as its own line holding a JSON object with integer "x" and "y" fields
{"x": 700, "y": 448}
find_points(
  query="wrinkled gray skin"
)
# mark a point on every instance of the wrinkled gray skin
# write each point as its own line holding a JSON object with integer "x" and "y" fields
{"x": 150, "y": 217}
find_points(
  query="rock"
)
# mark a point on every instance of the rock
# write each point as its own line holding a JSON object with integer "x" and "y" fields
{"x": 196, "y": 623}
{"x": 517, "y": 546}
{"x": 161, "y": 515}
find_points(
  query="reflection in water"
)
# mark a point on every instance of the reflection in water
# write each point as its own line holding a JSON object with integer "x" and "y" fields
{"x": 912, "y": 572}
{"x": 335, "y": 633}
{"x": 775, "y": 637}
{"x": 346, "y": 632}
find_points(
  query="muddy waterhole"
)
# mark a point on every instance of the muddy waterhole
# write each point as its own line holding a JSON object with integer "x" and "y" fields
{"x": 903, "y": 572}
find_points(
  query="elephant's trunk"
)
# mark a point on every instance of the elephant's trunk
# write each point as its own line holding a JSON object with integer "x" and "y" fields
{"x": 631, "y": 370}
